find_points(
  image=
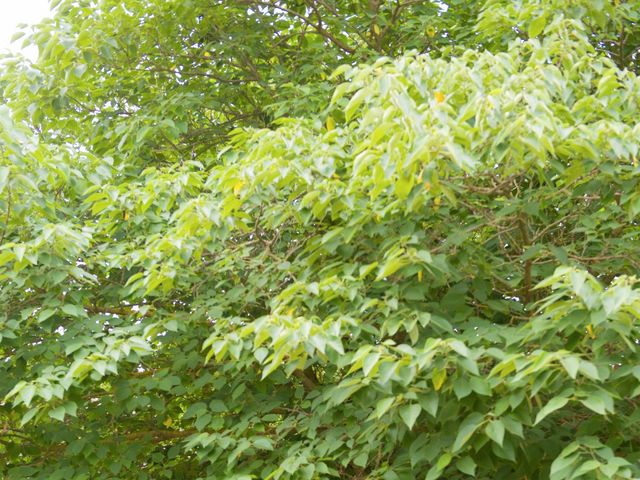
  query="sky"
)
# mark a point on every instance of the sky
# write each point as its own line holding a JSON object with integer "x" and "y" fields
{"x": 14, "y": 12}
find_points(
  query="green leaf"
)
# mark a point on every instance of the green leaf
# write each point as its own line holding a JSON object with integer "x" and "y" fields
{"x": 45, "y": 314}
{"x": 595, "y": 403}
{"x": 19, "y": 251}
{"x": 370, "y": 362}
{"x": 586, "y": 467}
{"x": 217, "y": 406}
{"x": 441, "y": 464}
{"x": 444, "y": 461}
{"x": 433, "y": 473}
{"x": 74, "y": 310}
{"x": 589, "y": 370}
{"x": 537, "y": 26}
{"x": 28, "y": 416}
{"x": 467, "y": 428}
{"x": 202, "y": 422}
{"x": 495, "y": 431}
{"x": 390, "y": 267}
{"x": 403, "y": 187}
{"x": 26, "y": 394}
{"x": 554, "y": 404}
{"x": 429, "y": 403}
{"x": 361, "y": 460}
{"x": 382, "y": 407}
{"x": 571, "y": 365}
{"x": 355, "y": 102}
{"x": 262, "y": 443}
{"x": 366, "y": 269}
{"x": 57, "y": 413}
{"x": 466, "y": 465}
{"x": 409, "y": 414}
{"x": 6, "y": 257}
{"x": 71, "y": 408}
{"x": 424, "y": 256}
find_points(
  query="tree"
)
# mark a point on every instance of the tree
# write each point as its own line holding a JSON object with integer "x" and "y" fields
{"x": 240, "y": 259}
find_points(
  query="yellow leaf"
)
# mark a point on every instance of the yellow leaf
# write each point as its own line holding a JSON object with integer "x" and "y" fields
{"x": 438, "y": 377}
{"x": 331, "y": 124}
{"x": 437, "y": 201}
{"x": 439, "y": 96}
{"x": 237, "y": 187}
{"x": 376, "y": 29}
{"x": 419, "y": 275}
{"x": 168, "y": 422}
{"x": 590, "y": 332}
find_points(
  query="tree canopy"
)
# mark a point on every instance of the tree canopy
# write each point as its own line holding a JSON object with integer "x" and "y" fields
{"x": 322, "y": 239}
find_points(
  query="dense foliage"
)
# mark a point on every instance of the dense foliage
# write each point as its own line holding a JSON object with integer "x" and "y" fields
{"x": 322, "y": 239}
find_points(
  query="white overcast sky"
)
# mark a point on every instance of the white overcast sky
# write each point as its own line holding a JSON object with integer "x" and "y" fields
{"x": 14, "y": 12}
